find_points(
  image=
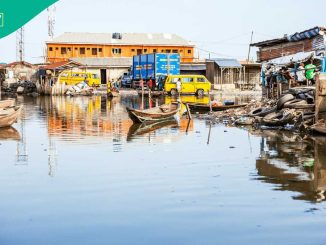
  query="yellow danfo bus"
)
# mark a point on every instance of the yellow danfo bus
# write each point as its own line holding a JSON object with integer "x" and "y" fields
{"x": 73, "y": 78}
{"x": 190, "y": 84}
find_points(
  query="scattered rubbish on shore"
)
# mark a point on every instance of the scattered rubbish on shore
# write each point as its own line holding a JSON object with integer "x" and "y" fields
{"x": 294, "y": 111}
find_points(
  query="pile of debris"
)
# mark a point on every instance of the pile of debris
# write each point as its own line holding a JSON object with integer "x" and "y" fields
{"x": 294, "y": 110}
{"x": 20, "y": 87}
{"x": 72, "y": 90}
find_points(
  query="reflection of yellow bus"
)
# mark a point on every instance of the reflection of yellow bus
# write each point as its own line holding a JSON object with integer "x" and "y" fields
{"x": 188, "y": 99}
{"x": 190, "y": 84}
{"x": 73, "y": 78}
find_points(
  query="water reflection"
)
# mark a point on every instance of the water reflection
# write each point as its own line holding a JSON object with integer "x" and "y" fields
{"x": 84, "y": 120}
{"x": 9, "y": 133}
{"x": 293, "y": 164}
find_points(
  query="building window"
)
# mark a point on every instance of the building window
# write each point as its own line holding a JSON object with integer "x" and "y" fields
{"x": 116, "y": 50}
{"x": 162, "y": 50}
{"x": 154, "y": 50}
{"x": 168, "y": 51}
{"x": 132, "y": 50}
{"x": 100, "y": 50}
{"x": 181, "y": 50}
{"x": 189, "y": 51}
{"x": 145, "y": 50}
{"x": 56, "y": 48}
{"x": 69, "y": 49}
{"x": 82, "y": 50}
{"x": 63, "y": 51}
{"x": 50, "y": 49}
{"x": 94, "y": 51}
{"x": 175, "y": 51}
{"x": 76, "y": 48}
{"x": 88, "y": 48}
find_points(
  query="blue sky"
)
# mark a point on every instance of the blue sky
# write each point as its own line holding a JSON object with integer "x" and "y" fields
{"x": 222, "y": 27}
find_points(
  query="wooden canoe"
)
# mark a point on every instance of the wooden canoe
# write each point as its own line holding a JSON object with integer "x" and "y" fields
{"x": 206, "y": 107}
{"x": 7, "y": 103}
{"x": 163, "y": 112}
{"x": 147, "y": 127}
{"x": 9, "y": 116}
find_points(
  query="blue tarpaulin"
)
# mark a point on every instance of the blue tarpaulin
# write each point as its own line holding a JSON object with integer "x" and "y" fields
{"x": 298, "y": 36}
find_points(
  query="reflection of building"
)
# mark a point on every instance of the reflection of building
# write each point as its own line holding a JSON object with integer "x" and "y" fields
{"x": 282, "y": 162}
{"x": 89, "y": 118}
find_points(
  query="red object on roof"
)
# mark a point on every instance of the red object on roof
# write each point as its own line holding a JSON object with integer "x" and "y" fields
{"x": 60, "y": 65}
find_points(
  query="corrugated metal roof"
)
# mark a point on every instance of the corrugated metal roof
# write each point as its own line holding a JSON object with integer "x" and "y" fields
{"x": 104, "y": 62}
{"x": 227, "y": 63}
{"x": 298, "y": 36}
{"x": 193, "y": 67}
{"x": 60, "y": 65}
{"x": 126, "y": 39}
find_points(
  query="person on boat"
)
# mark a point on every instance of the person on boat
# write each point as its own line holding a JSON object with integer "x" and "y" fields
{"x": 150, "y": 84}
{"x": 141, "y": 84}
{"x": 109, "y": 87}
{"x": 179, "y": 85}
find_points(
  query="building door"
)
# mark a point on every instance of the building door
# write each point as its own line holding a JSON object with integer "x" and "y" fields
{"x": 103, "y": 76}
{"x": 139, "y": 51}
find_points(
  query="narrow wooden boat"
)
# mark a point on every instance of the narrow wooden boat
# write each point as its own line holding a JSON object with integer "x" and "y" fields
{"x": 206, "y": 107}
{"x": 6, "y": 103}
{"x": 9, "y": 116}
{"x": 159, "y": 113}
{"x": 138, "y": 129}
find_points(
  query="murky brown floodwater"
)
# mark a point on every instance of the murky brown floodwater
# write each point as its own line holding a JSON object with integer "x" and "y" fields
{"x": 76, "y": 171}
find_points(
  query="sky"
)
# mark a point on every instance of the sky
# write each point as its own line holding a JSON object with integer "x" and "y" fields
{"x": 218, "y": 28}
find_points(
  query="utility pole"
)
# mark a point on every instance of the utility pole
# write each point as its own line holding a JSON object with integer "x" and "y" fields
{"x": 51, "y": 21}
{"x": 252, "y": 34}
{"x": 20, "y": 44}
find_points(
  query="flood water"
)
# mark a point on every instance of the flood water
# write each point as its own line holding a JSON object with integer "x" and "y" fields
{"x": 75, "y": 171}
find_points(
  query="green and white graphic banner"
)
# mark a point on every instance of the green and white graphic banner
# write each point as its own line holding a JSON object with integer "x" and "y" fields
{"x": 16, "y": 13}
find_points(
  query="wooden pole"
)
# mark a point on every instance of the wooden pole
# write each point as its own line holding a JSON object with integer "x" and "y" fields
{"x": 188, "y": 111}
{"x": 209, "y": 133}
{"x": 210, "y": 102}
{"x": 252, "y": 33}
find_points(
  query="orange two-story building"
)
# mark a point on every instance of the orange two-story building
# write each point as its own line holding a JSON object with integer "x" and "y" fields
{"x": 119, "y": 45}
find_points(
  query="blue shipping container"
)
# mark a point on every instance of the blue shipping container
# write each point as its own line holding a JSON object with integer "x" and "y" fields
{"x": 136, "y": 68}
{"x": 150, "y": 66}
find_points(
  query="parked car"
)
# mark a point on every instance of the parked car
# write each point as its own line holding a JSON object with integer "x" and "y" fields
{"x": 126, "y": 81}
{"x": 190, "y": 84}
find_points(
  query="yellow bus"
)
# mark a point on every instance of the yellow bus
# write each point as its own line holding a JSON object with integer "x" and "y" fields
{"x": 73, "y": 78}
{"x": 190, "y": 84}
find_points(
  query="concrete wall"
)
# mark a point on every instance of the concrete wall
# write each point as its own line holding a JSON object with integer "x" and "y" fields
{"x": 20, "y": 73}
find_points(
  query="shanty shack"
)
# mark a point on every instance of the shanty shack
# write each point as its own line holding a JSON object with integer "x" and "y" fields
{"x": 285, "y": 59}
